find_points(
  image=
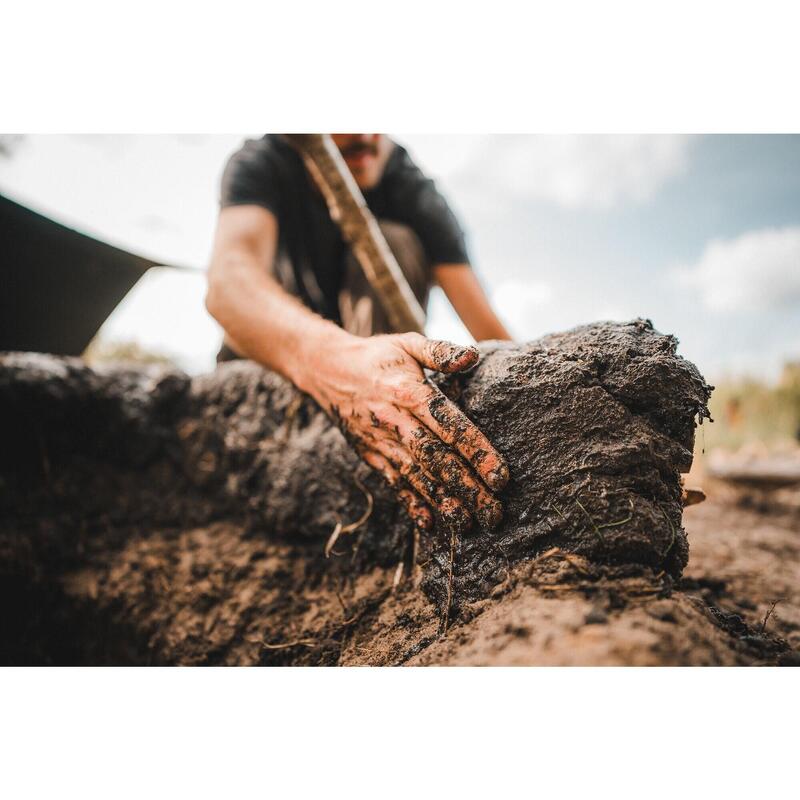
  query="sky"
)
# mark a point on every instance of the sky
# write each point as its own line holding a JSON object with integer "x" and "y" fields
{"x": 700, "y": 234}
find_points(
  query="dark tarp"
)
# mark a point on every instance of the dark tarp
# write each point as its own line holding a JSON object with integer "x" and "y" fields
{"x": 57, "y": 286}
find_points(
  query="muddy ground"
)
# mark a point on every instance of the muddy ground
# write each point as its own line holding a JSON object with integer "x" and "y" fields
{"x": 742, "y": 560}
{"x": 203, "y": 595}
{"x": 154, "y": 519}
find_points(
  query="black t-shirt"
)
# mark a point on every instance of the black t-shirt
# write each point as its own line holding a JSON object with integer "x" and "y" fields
{"x": 268, "y": 172}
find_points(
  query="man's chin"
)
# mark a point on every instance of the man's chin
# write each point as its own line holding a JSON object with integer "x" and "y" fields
{"x": 365, "y": 178}
{"x": 360, "y": 163}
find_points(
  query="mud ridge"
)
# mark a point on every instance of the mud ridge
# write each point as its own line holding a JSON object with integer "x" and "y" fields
{"x": 115, "y": 483}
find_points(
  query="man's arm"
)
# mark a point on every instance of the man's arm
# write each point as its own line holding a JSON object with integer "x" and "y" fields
{"x": 398, "y": 422}
{"x": 468, "y": 298}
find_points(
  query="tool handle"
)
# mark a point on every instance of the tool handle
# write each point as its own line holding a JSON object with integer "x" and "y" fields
{"x": 359, "y": 228}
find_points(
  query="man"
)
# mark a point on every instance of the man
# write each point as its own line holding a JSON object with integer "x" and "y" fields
{"x": 290, "y": 296}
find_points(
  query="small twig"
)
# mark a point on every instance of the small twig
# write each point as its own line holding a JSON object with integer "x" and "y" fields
{"x": 353, "y": 526}
{"x": 332, "y": 539}
{"x": 341, "y": 602}
{"x": 446, "y": 621}
{"x": 398, "y": 575}
{"x": 562, "y": 554}
{"x": 414, "y": 549}
{"x": 768, "y": 615}
{"x": 357, "y": 547}
{"x": 547, "y": 554}
{"x": 573, "y": 561}
{"x": 287, "y": 645}
{"x": 410, "y": 554}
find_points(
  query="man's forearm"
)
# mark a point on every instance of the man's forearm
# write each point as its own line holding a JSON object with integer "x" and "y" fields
{"x": 375, "y": 387}
{"x": 265, "y": 322}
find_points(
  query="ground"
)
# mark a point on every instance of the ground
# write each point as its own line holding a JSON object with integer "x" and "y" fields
{"x": 741, "y": 561}
{"x": 151, "y": 518}
{"x": 744, "y": 558}
{"x": 218, "y": 595}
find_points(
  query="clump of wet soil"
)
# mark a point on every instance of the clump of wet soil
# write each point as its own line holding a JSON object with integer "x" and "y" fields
{"x": 597, "y": 423}
{"x": 196, "y": 510}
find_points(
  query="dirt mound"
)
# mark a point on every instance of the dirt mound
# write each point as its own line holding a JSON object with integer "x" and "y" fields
{"x": 191, "y": 515}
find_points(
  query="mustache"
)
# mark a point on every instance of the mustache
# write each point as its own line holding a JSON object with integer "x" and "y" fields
{"x": 359, "y": 148}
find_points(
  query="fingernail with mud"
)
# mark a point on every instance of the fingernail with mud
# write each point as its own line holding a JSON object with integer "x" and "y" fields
{"x": 499, "y": 476}
{"x": 468, "y": 354}
{"x": 454, "y": 513}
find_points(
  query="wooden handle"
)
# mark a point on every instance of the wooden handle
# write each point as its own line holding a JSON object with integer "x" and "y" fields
{"x": 360, "y": 229}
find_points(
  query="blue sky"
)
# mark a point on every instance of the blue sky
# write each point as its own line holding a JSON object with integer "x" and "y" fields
{"x": 699, "y": 233}
{"x": 631, "y": 231}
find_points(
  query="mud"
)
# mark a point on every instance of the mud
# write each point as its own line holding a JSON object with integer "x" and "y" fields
{"x": 197, "y": 510}
{"x": 596, "y": 425}
{"x": 214, "y": 595}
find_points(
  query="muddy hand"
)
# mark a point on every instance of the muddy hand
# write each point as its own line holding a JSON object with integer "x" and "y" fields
{"x": 405, "y": 428}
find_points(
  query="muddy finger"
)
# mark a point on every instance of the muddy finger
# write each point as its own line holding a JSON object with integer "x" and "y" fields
{"x": 416, "y": 509}
{"x": 451, "y": 509}
{"x": 415, "y": 506}
{"x": 454, "y": 474}
{"x": 452, "y": 426}
{"x": 440, "y": 355}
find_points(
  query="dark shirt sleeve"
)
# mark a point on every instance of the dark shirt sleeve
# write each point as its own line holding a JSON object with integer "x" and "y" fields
{"x": 250, "y": 177}
{"x": 420, "y": 204}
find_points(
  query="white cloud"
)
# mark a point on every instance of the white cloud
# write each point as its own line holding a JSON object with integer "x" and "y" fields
{"x": 595, "y": 172}
{"x": 517, "y": 298}
{"x": 441, "y": 156}
{"x": 518, "y": 302}
{"x": 757, "y": 271}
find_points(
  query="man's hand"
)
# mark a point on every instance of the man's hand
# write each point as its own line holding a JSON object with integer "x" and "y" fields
{"x": 405, "y": 428}
{"x": 398, "y": 422}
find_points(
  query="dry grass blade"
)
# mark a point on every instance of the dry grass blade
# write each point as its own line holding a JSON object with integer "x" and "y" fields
{"x": 287, "y": 645}
{"x": 449, "y": 600}
{"x": 353, "y": 526}
{"x": 332, "y": 539}
{"x": 619, "y": 521}
{"x": 768, "y": 615}
{"x": 398, "y": 575}
{"x": 579, "y": 563}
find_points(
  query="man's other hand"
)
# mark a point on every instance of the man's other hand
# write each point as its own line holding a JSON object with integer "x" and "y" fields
{"x": 405, "y": 428}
